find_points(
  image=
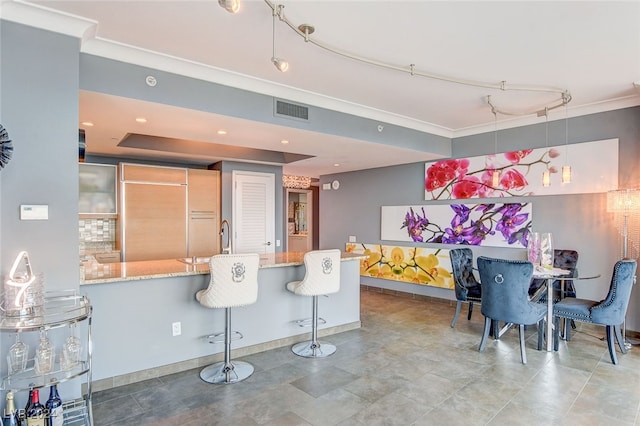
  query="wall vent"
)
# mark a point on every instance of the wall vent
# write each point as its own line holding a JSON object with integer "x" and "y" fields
{"x": 289, "y": 110}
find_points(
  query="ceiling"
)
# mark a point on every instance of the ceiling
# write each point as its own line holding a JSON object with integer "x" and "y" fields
{"x": 590, "y": 49}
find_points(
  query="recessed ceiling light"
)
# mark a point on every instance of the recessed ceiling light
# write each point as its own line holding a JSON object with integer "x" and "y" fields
{"x": 222, "y": 132}
{"x": 336, "y": 164}
{"x": 87, "y": 123}
{"x": 141, "y": 120}
{"x": 284, "y": 141}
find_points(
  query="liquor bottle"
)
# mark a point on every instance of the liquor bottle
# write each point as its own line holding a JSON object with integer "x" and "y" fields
{"x": 23, "y": 413}
{"x": 54, "y": 407}
{"x": 35, "y": 412}
{"x": 10, "y": 415}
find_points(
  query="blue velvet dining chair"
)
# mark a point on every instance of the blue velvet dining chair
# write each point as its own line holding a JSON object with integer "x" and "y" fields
{"x": 505, "y": 298}
{"x": 467, "y": 287}
{"x": 609, "y": 312}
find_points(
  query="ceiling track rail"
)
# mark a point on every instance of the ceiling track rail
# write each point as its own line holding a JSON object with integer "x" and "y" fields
{"x": 305, "y": 30}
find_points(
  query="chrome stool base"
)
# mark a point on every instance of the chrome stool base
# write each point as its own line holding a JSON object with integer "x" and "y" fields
{"x": 225, "y": 373}
{"x": 313, "y": 349}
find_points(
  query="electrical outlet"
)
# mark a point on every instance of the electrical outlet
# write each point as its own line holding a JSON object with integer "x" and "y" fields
{"x": 176, "y": 328}
{"x": 352, "y": 238}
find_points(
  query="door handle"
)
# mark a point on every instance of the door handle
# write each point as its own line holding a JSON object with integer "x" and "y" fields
{"x": 268, "y": 243}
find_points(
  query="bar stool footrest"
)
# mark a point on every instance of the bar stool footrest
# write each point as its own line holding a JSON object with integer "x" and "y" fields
{"x": 219, "y": 337}
{"x": 308, "y": 322}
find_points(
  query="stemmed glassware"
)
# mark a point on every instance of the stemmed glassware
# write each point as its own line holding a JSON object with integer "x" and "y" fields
{"x": 44, "y": 355}
{"x": 18, "y": 356}
{"x": 71, "y": 350}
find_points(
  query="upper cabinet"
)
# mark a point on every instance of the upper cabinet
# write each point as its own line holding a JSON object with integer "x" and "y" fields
{"x": 97, "y": 190}
{"x": 203, "y": 212}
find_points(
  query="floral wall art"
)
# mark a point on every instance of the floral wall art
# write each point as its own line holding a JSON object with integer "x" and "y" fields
{"x": 416, "y": 265}
{"x": 482, "y": 224}
{"x": 594, "y": 167}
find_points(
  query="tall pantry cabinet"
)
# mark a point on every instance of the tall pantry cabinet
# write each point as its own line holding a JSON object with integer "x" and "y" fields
{"x": 168, "y": 212}
{"x": 203, "y": 212}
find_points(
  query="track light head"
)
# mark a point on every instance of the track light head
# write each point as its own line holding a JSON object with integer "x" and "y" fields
{"x": 231, "y": 6}
{"x": 281, "y": 64}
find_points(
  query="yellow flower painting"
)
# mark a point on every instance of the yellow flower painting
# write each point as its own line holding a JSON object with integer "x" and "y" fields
{"x": 415, "y": 265}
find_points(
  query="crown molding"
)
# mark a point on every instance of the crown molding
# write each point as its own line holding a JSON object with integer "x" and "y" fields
{"x": 53, "y": 20}
{"x": 586, "y": 109}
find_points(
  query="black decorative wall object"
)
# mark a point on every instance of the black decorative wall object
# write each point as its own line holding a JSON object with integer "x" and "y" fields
{"x": 6, "y": 148}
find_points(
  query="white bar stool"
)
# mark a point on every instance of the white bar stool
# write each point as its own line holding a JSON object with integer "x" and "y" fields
{"x": 322, "y": 277}
{"x": 233, "y": 283}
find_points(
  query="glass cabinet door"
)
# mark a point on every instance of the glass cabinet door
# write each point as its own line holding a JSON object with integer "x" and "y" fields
{"x": 97, "y": 189}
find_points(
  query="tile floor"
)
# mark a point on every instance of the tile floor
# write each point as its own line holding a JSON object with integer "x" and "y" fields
{"x": 405, "y": 366}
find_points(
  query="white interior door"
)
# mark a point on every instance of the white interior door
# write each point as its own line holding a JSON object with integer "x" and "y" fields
{"x": 253, "y": 212}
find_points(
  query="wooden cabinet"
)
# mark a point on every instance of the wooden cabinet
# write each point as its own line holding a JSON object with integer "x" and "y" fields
{"x": 153, "y": 214}
{"x": 204, "y": 212}
{"x": 168, "y": 212}
{"x": 153, "y": 174}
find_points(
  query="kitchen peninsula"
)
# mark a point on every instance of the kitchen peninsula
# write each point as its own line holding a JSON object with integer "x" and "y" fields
{"x": 136, "y": 304}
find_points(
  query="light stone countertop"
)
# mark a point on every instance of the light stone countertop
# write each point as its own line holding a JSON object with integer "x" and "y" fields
{"x": 93, "y": 272}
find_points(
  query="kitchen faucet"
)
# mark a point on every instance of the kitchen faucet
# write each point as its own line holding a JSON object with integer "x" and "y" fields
{"x": 227, "y": 248}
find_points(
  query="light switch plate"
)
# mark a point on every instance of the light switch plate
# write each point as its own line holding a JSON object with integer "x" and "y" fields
{"x": 352, "y": 238}
{"x": 326, "y": 187}
{"x": 34, "y": 212}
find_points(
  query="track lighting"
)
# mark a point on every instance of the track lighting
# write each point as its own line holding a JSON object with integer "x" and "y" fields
{"x": 231, "y": 6}
{"x": 495, "y": 176}
{"x": 546, "y": 175}
{"x": 279, "y": 63}
{"x": 566, "y": 169}
{"x": 305, "y": 30}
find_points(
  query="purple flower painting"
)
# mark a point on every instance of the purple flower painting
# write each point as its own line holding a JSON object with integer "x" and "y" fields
{"x": 502, "y": 225}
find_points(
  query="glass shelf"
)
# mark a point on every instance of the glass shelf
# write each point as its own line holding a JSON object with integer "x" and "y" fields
{"x": 30, "y": 379}
{"x": 59, "y": 309}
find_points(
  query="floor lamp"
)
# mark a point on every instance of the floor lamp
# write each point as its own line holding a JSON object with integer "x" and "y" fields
{"x": 625, "y": 204}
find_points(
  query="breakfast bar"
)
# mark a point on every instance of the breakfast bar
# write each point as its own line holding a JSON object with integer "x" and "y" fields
{"x": 137, "y": 303}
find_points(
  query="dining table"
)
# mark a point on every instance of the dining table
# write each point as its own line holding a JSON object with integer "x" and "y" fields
{"x": 549, "y": 275}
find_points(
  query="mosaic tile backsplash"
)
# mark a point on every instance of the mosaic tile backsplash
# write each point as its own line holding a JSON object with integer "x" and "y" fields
{"x": 97, "y": 235}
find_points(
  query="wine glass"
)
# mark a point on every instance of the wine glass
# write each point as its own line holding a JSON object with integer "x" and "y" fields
{"x": 18, "y": 355}
{"x": 71, "y": 350}
{"x": 44, "y": 355}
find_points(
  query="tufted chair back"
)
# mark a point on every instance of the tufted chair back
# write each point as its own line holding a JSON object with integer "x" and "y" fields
{"x": 233, "y": 282}
{"x": 563, "y": 259}
{"x": 322, "y": 273}
{"x": 505, "y": 285}
{"x": 463, "y": 278}
{"x": 612, "y": 309}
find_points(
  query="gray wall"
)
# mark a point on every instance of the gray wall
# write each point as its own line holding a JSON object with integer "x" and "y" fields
{"x": 39, "y": 80}
{"x": 577, "y": 221}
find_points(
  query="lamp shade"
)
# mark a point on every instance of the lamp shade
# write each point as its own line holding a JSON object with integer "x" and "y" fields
{"x": 623, "y": 201}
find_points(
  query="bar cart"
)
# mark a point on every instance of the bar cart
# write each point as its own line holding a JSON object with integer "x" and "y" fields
{"x": 60, "y": 309}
